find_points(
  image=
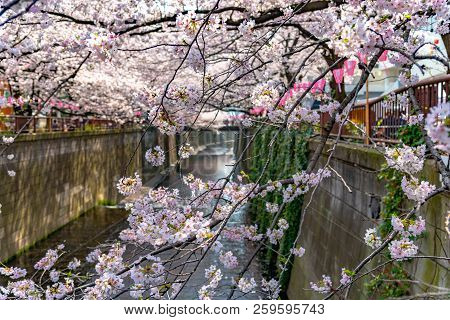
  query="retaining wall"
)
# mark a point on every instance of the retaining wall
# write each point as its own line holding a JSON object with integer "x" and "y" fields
{"x": 336, "y": 221}
{"x": 59, "y": 176}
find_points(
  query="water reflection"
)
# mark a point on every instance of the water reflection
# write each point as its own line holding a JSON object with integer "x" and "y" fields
{"x": 79, "y": 236}
{"x": 213, "y": 163}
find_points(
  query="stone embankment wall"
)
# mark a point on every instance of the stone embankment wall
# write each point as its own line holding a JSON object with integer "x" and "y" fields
{"x": 59, "y": 176}
{"x": 336, "y": 220}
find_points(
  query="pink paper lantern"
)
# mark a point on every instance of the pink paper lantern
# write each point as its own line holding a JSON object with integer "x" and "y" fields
{"x": 318, "y": 86}
{"x": 257, "y": 111}
{"x": 304, "y": 85}
{"x": 384, "y": 56}
{"x": 349, "y": 66}
{"x": 338, "y": 77}
{"x": 362, "y": 57}
{"x": 321, "y": 84}
{"x": 290, "y": 93}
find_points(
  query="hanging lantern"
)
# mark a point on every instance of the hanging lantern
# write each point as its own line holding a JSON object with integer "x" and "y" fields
{"x": 362, "y": 57}
{"x": 338, "y": 77}
{"x": 384, "y": 56}
{"x": 290, "y": 93}
{"x": 306, "y": 85}
{"x": 349, "y": 66}
{"x": 321, "y": 84}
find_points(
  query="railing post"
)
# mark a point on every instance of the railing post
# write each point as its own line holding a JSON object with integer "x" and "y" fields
{"x": 367, "y": 115}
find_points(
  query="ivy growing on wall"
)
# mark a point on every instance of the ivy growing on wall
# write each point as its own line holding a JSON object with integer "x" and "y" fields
{"x": 288, "y": 157}
{"x": 383, "y": 285}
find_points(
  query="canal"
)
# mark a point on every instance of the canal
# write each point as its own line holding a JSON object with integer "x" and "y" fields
{"x": 214, "y": 159}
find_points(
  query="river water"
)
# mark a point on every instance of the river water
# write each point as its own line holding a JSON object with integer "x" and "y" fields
{"x": 102, "y": 224}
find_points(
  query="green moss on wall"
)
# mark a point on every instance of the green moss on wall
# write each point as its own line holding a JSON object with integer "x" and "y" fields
{"x": 288, "y": 157}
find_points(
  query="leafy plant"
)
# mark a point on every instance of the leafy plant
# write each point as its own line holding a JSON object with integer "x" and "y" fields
{"x": 288, "y": 157}
{"x": 383, "y": 284}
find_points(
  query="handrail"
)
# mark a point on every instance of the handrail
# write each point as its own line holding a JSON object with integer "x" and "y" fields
{"x": 14, "y": 123}
{"x": 381, "y": 119}
{"x": 424, "y": 82}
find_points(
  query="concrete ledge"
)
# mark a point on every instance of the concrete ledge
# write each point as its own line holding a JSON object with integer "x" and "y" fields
{"x": 357, "y": 154}
{"x": 26, "y": 137}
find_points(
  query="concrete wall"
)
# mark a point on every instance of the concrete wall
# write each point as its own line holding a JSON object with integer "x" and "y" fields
{"x": 62, "y": 175}
{"x": 336, "y": 221}
{"x": 59, "y": 176}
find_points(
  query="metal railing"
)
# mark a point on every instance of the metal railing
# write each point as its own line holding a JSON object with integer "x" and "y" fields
{"x": 381, "y": 119}
{"x": 14, "y": 123}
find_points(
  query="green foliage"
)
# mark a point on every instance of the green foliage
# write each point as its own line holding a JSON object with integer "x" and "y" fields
{"x": 353, "y": 130}
{"x": 411, "y": 135}
{"x": 393, "y": 199}
{"x": 90, "y": 128}
{"x": 288, "y": 157}
{"x": 106, "y": 202}
{"x": 384, "y": 285}
{"x": 391, "y": 283}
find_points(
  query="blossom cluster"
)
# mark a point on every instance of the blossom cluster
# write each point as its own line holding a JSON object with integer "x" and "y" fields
{"x": 324, "y": 286}
{"x": 50, "y": 258}
{"x": 271, "y": 287}
{"x": 303, "y": 182}
{"x": 158, "y": 219}
{"x": 169, "y": 124}
{"x": 298, "y": 252}
{"x": 275, "y": 235}
{"x": 406, "y": 159}
{"x": 108, "y": 283}
{"x": 346, "y": 276}
{"x": 372, "y": 239}
{"x": 415, "y": 190}
{"x": 404, "y": 247}
{"x": 438, "y": 127}
{"x": 129, "y": 185}
{"x": 228, "y": 259}
{"x": 213, "y": 275}
{"x": 186, "y": 150}
{"x": 155, "y": 156}
{"x": 13, "y": 272}
{"x": 246, "y": 285}
{"x": 408, "y": 227}
{"x": 242, "y": 232}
